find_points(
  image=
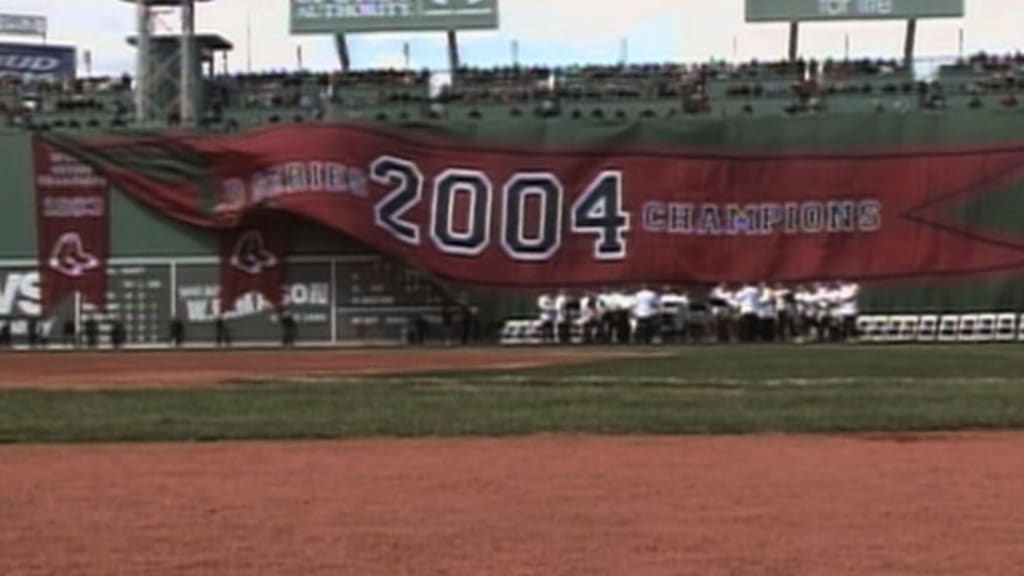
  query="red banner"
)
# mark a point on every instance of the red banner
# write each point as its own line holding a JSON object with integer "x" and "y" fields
{"x": 253, "y": 259}
{"x": 73, "y": 225}
{"x": 614, "y": 214}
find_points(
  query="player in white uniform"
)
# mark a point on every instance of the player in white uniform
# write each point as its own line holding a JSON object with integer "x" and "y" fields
{"x": 646, "y": 311}
{"x": 589, "y": 320}
{"x": 722, "y": 302}
{"x": 806, "y": 309}
{"x": 747, "y": 299}
{"x": 785, "y": 310}
{"x": 765, "y": 313}
{"x": 846, "y": 310}
{"x": 607, "y": 306}
{"x": 623, "y": 317}
{"x": 675, "y": 314}
{"x": 825, "y": 298}
{"x": 548, "y": 315}
{"x": 563, "y": 330}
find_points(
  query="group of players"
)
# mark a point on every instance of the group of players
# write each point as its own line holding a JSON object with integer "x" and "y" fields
{"x": 823, "y": 312}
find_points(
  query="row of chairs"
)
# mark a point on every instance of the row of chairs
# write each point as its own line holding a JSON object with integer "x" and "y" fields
{"x": 521, "y": 332}
{"x": 903, "y": 328}
{"x": 993, "y": 327}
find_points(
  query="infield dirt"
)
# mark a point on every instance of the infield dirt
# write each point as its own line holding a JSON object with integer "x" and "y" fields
{"x": 909, "y": 505}
{"x": 202, "y": 368}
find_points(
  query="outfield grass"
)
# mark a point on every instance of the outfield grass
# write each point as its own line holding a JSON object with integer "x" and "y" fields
{"x": 688, "y": 391}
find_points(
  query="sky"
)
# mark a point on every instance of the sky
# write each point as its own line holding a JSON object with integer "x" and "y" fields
{"x": 552, "y": 32}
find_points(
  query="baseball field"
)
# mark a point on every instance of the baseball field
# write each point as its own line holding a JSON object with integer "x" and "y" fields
{"x": 703, "y": 460}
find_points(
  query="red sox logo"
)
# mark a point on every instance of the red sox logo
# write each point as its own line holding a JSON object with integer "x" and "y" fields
{"x": 251, "y": 255}
{"x": 69, "y": 257}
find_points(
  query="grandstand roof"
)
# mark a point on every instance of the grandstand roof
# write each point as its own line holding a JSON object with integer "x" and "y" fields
{"x": 161, "y": 2}
{"x": 205, "y": 42}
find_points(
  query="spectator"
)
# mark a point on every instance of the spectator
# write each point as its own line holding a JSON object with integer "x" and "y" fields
{"x": 70, "y": 339}
{"x": 92, "y": 332}
{"x": 177, "y": 332}
{"x": 222, "y": 332}
{"x": 118, "y": 334}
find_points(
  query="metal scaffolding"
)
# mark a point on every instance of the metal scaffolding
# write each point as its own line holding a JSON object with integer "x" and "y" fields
{"x": 152, "y": 69}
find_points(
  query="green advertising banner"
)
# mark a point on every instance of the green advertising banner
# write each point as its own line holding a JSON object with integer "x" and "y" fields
{"x": 341, "y": 16}
{"x": 799, "y": 10}
{"x": 20, "y": 297}
{"x": 308, "y": 297}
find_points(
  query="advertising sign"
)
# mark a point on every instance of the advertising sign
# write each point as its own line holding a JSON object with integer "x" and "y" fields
{"x": 20, "y": 304}
{"x": 307, "y": 298}
{"x": 36, "y": 62}
{"x": 801, "y": 10}
{"x": 22, "y": 25}
{"x": 338, "y": 16}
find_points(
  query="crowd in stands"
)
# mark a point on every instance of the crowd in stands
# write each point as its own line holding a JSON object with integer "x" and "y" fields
{"x": 822, "y": 312}
{"x": 577, "y": 92}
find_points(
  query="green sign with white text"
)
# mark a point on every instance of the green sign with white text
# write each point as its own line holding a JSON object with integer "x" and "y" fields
{"x": 340, "y": 16}
{"x": 800, "y": 10}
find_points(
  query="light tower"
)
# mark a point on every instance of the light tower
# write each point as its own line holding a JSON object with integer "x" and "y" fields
{"x": 152, "y": 65}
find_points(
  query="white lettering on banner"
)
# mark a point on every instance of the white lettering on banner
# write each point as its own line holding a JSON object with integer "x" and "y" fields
{"x": 19, "y": 328}
{"x": 841, "y": 8}
{"x": 597, "y": 212}
{"x": 69, "y": 172}
{"x": 20, "y": 295}
{"x": 202, "y": 302}
{"x": 29, "y": 64}
{"x": 293, "y": 178}
{"x": 815, "y": 217}
{"x": 74, "y": 207}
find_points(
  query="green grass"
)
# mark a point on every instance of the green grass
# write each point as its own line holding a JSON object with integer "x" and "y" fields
{"x": 689, "y": 391}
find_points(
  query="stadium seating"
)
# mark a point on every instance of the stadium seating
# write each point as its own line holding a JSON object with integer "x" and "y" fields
{"x": 606, "y": 93}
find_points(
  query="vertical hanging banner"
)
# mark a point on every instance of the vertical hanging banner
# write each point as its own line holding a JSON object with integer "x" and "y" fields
{"x": 253, "y": 258}
{"x": 73, "y": 225}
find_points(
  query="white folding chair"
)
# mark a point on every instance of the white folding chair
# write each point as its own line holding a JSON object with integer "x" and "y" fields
{"x": 511, "y": 332}
{"x": 968, "y": 328}
{"x": 867, "y": 328}
{"x": 949, "y": 328}
{"x": 884, "y": 332}
{"x": 928, "y": 328}
{"x": 986, "y": 331}
{"x": 907, "y": 327}
{"x": 1006, "y": 327}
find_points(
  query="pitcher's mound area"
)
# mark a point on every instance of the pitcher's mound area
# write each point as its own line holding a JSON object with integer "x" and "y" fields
{"x": 545, "y": 506}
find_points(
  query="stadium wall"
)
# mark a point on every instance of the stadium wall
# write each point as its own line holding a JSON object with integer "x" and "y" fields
{"x": 179, "y": 262}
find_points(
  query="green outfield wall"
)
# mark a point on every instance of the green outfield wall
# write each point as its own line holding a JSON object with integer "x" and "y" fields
{"x": 141, "y": 237}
